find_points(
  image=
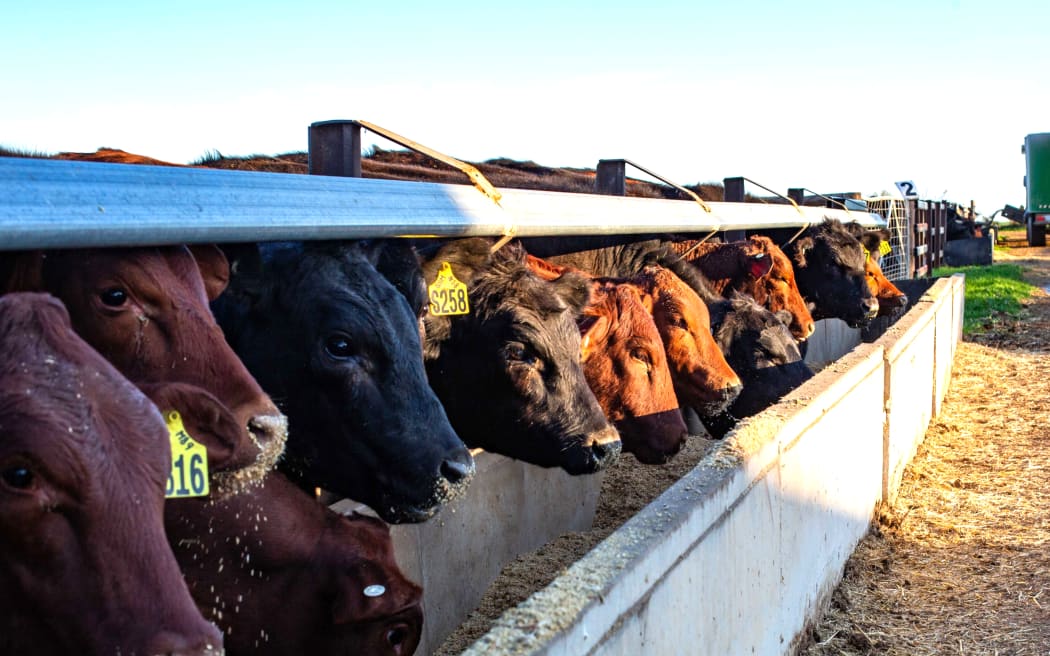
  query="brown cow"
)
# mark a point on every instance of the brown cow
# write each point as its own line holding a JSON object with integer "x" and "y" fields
{"x": 625, "y": 365}
{"x": 146, "y": 311}
{"x": 281, "y": 574}
{"x": 756, "y": 267}
{"x": 85, "y": 567}
{"x": 891, "y": 300}
{"x": 702, "y": 377}
{"x": 627, "y": 368}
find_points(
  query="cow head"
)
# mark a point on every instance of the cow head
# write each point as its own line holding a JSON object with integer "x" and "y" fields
{"x": 509, "y": 372}
{"x": 338, "y": 344}
{"x": 281, "y": 574}
{"x": 702, "y": 377}
{"x": 761, "y": 348}
{"x": 829, "y": 269}
{"x": 891, "y": 300}
{"x": 146, "y": 311}
{"x": 83, "y": 461}
{"x": 627, "y": 369}
{"x": 778, "y": 290}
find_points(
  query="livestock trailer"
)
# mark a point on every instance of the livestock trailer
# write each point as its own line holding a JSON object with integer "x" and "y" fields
{"x": 1036, "y": 150}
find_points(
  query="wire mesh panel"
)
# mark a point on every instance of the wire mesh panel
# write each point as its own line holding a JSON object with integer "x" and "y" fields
{"x": 895, "y": 265}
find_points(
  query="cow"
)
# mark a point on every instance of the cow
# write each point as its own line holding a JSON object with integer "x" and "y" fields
{"x": 145, "y": 309}
{"x": 702, "y": 377}
{"x": 829, "y": 270}
{"x": 760, "y": 347}
{"x": 85, "y": 567}
{"x": 280, "y": 573}
{"x": 626, "y": 367}
{"x": 891, "y": 300}
{"x": 508, "y": 371}
{"x": 756, "y": 267}
{"x": 337, "y": 341}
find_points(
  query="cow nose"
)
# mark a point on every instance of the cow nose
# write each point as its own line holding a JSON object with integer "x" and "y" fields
{"x": 871, "y": 307}
{"x": 458, "y": 468}
{"x": 902, "y": 300}
{"x": 604, "y": 447}
{"x": 809, "y": 329}
{"x": 171, "y": 643}
{"x": 398, "y": 637}
{"x": 269, "y": 430}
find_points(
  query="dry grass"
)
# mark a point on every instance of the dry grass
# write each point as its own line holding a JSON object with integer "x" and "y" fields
{"x": 959, "y": 563}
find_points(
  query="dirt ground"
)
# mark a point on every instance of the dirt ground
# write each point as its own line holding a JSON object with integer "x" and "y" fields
{"x": 958, "y": 564}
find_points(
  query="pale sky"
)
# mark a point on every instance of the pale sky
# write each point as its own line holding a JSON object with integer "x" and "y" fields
{"x": 832, "y": 96}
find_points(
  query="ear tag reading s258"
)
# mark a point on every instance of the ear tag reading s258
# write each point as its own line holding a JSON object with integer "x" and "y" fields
{"x": 189, "y": 462}
{"x": 447, "y": 294}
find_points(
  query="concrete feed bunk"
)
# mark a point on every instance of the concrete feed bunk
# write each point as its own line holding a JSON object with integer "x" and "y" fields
{"x": 745, "y": 549}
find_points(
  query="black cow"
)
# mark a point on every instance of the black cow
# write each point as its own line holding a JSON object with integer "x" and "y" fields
{"x": 337, "y": 345}
{"x": 760, "y": 347}
{"x": 829, "y": 270}
{"x": 509, "y": 372}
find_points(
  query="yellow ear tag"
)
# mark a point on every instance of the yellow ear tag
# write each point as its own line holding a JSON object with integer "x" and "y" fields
{"x": 447, "y": 294}
{"x": 884, "y": 247}
{"x": 189, "y": 462}
{"x": 867, "y": 254}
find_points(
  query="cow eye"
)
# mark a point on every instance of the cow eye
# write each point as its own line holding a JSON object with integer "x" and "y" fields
{"x": 338, "y": 346}
{"x": 20, "y": 478}
{"x": 642, "y": 356}
{"x": 517, "y": 352}
{"x": 113, "y": 297}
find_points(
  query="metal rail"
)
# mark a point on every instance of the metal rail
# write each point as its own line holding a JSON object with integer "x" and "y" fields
{"x": 63, "y": 204}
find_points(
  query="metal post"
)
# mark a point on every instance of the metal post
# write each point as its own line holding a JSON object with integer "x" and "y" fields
{"x": 335, "y": 149}
{"x": 734, "y": 193}
{"x": 797, "y": 194}
{"x": 611, "y": 177}
{"x": 734, "y": 190}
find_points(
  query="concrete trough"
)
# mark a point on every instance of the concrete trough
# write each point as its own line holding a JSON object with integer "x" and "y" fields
{"x": 741, "y": 552}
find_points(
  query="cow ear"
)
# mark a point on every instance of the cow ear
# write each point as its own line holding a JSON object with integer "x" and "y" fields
{"x": 214, "y": 268}
{"x": 802, "y": 246}
{"x": 593, "y": 329}
{"x": 207, "y": 421}
{"x": 759, "y": 265}
{"x": 466, "y": 256}
{"x": 574, "y": 289}
{"x": 22, "y": 272}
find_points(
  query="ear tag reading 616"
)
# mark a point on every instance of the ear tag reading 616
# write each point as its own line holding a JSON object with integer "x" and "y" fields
{"x": 447, "y": 294}
{"x": 189, "y": 462}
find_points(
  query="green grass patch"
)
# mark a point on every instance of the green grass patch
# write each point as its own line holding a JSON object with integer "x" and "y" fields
{"x": 991, "y": 291}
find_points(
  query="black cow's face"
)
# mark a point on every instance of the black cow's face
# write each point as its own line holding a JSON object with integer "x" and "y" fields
{"x": 509, "y": 372}
{"x": 339, "y": 348}
{"x": 760, "y": 347}
{"x": 829, "y": 269}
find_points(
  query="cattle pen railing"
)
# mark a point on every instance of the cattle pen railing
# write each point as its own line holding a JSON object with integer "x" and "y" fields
{"x": 62, "y": 204}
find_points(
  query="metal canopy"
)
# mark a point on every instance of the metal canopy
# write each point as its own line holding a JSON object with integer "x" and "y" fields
{"x": 60, "y": 204}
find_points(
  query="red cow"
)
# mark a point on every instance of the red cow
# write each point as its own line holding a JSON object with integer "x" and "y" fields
{"x": 756, "y": 267}
{"x": 282, "y": 574}
{"x": 625, "y": 365}
{"x": 702, "y": 377}
{"x": 146, "y": 311}
{"x": 85, "y": 567}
